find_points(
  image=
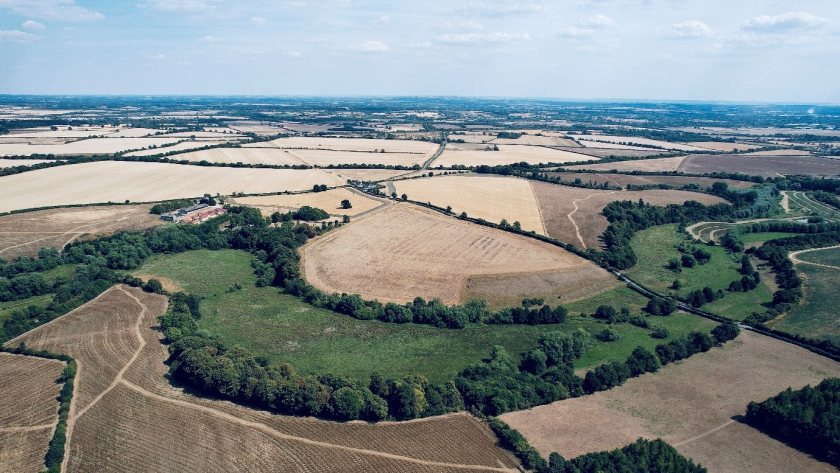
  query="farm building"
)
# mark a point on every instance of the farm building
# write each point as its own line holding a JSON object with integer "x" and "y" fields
{"x": 194, "y": 214}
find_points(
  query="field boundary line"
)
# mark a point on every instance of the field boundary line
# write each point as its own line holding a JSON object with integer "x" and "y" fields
{"x": 28, "y": 428}
{"x": 576, "y": 208}
{"x": 708, "y": 432}
{"x": 270, "y": 431}
{"x": 795, "y": 260}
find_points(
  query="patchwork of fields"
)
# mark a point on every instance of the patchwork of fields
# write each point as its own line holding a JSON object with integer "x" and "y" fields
{"x": 750, "y": 164}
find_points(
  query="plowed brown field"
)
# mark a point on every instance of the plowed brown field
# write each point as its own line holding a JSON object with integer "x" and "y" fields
{"x": 152, "y": 426}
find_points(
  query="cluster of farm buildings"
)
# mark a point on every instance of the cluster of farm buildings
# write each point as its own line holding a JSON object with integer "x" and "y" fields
{"x": 194, "y": 213}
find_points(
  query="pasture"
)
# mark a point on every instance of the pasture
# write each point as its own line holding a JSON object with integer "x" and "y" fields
{"x": 403, "y": 251}
{"x": 689, "y": 404}
{"x": 121, "y": 389}
{"x": 492, "y": 198}
{"x": 816, "y": 314}
{"x": 573, "y": 214}
{"x": 112, "y": 181}
{"x": 26, "y": 233}
{"x": 28, "y": 410}
{"x": 285, "y": 329}
{"x": 329, "y": 201}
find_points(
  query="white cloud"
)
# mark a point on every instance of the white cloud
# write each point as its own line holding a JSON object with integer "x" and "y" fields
{"x": 370, "y": 46}
{"x": 596, "y": 22}
{"x": 587, "y": 27}
{"x": 17, "y": 36}
{"x": 259, "y": 21}
{"x": 208, "y": 39}
{"x": 691, "y": 29}
{"x": 499, "y": 8}
{"x": 482, "y": 38}
{"x": 187, "y": 6}
{"x": 33, "y": 25}
{"x": 791, "y": 21}
{"x": 61, "y": 10}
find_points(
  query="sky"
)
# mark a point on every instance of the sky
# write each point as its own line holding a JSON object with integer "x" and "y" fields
{"x": 716, "y": 50}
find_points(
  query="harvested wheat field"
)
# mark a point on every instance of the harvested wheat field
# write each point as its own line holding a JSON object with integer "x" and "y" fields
{"x": 28, "y": 410}
{"x": 724, "y": 146}
{"x": 182, "y": 146}
{"x": 606, "y": 145}
{"x": 690, "y": 405}
{"x": 761, "y": 165}
{"x": 25, "y": 233}
{"x": 349, "y": 144}
{"x": 536, "y": 141}
{"x": 492, "y": 198}
{"x": 404, "y": 251}
{"x": 113, "y": 181}
{"x": 649, "y": 165}
{"x": 153, "y": 426}
{"x": 624, "y": 180}
{"x": 319, "y": 157}
{"x": 365, "y": 174}
{"x": 596, "y": 153}
{"x": 243, "y": 155}
{"x": 508, "y": 154}
{"x": 636, "y": 141}
{"x": 329, "y": 201}
{"x": 573, "y": 214}
{"x": 86, "y": 146}
{"x": 9, "y": 163}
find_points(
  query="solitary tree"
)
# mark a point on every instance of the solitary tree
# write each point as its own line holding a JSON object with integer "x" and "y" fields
{"x": 345, "y": 204}
{"x": 404, "y": 197}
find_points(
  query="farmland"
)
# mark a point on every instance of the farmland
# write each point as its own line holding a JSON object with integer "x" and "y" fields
{"x": 28, "y": 410}
{"x": 689, "y": 404}
{"x": 635, "y": 141}
{"x": 243, "y": 155}
{"x": 623, "y": 180}
{"x": 330, "y": 201}
{"x": 111, "y": 181}
{"x": 573, "y": 215}
{"x": 492, "y": 198}
{"x": 177, "y": 147}
{"x": 507, "y": 154}
{"x": 750, "y": 164}
{"x": 26, "y": 233}
{"x": 8, "y": 163}
{"x": 86, "y": 146}
{"x": 816, "y": 316}
{"x": 314, "y": 340}
{"x": 433, "y": 256}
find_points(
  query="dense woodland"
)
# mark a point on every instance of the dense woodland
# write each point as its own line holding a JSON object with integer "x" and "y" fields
{"x": 808, "y": 419}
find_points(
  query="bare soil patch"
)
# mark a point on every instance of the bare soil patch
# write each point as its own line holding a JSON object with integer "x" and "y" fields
{"x": 689, "y": 404}
{"x": 492, "y": 198}
{"x": 26, "y": 233}
{"x": 573, "y": 214}
{"x": 404, "y": 251}
{"x": 28, "y": 410}
{"x": 153, "y": 426}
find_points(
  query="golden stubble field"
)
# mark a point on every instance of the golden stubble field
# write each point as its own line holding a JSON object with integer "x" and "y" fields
{"x": 28, "y": 410}
{"x": 507, "y": 154}
{"x": 689, "y": 404}
{"x": 126, "y": 417}
{"x": 404, "y": 251}
{"x": 492, "y": 198}
{"x": 25, "y": 233}
{"x": 329, "y": 201}
{"x": 85, "y": 146}
{"x": 114, "y": 181}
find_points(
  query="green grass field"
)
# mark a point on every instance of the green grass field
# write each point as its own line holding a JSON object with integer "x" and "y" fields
{"x": 817, "y": 315}
{"x": 6, "y": 308}
{"x": 284, "y": 328}
{"x": 761, "y": 237}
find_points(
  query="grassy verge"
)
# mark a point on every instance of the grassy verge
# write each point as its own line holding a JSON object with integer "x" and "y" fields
{"x": 6, "y": 308}
{"x": 760, "y": 237}
{"x": 283, "y": 328}
{"x": 816, "y": 316}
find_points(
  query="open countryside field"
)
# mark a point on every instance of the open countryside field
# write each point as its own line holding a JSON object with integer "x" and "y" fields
{"x": 329, "y": 201}
{"x": 364, "y": 174}
{"x": 25, "y": 233}
{"x": 243, "y": 155}
{"x": 623, "y": 180}
{"x": 534, "y": 140}
{"x": 349, "y": 144}
{"x": 816, "y": 315}
{"x": 318, "y": 157}
{"x": 404, "y": 251}
{"x": 636, "y": 141}
{"x": 648, "y": 165}
{"x": 573, "y": 214}
{"x": 493, "y": 198}
{"x": 8, "y": 163}
{"x": 28, "y": 410}
{"x": 725, "y": 147}
{"x": 596, "y": 153}
{"x": 182, "y": 146}
{"x": 508, "y": 154}
{"x": 86, "y": 146}
{"x": 121, "y": 389}
{"x": 755, "y": 165}
{"x": 689, "y": 404}
{"x": 285, "y": 329}
{"x": 118, "y": 181}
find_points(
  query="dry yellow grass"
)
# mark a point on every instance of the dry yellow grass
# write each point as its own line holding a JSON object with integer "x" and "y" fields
{"x": 508, "y": 154}
{"x": 117, "y": 181}
{"x": 330, "y": 201}
{"x": 86, "y": 146}
{"x": 492, "y": 198}
{"x": 25, "y": 233}
{"x": 28, "y": 410}
{"x": 690, "y": 405}
{"x": 128, "y": 418}
{"x": 636, "y": 141}
{"x": 656, "y": 164}
{"x": 243, "y": 155}
{"x": 403, "y": 251}
{"x": 349, "y": 144}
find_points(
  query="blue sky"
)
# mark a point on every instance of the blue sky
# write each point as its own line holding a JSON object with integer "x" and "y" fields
{"x": 781, "y": 51}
